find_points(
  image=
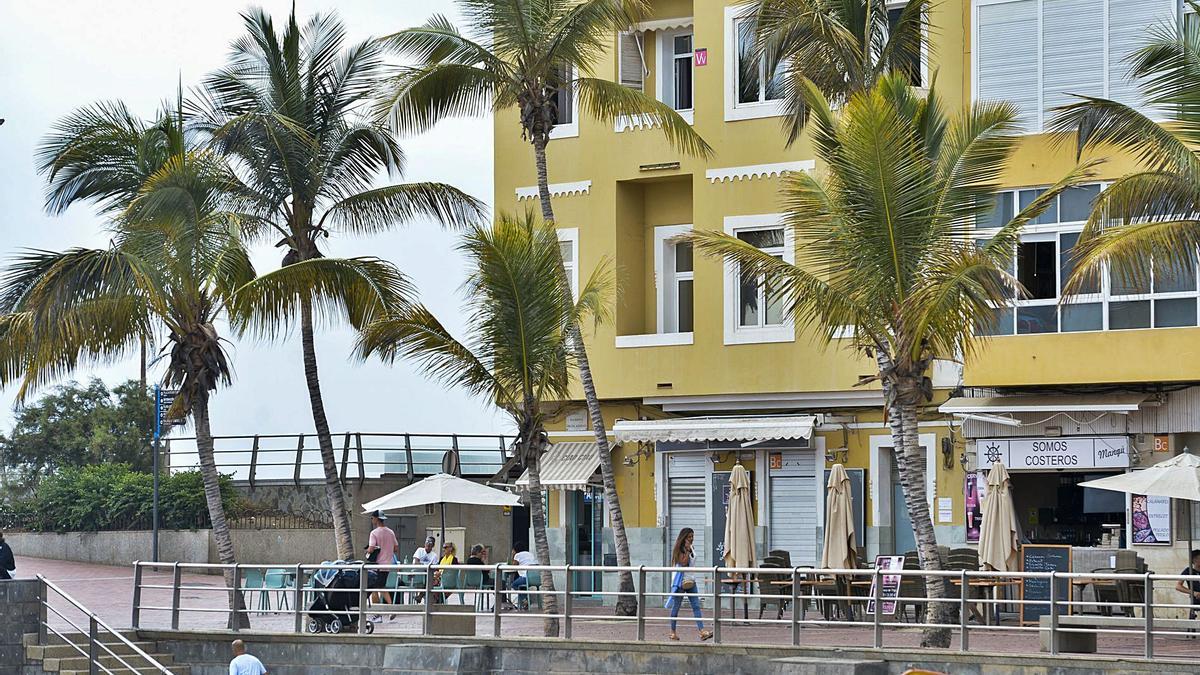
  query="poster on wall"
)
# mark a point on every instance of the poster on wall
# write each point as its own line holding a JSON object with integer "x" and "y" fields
{"x": 1151, "y": 519}
{"x": 974, "y": 485}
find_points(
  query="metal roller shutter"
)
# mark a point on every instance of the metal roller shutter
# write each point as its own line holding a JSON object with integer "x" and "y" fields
{"x": 685, "y": 501}
{"x": 793, "y": 508}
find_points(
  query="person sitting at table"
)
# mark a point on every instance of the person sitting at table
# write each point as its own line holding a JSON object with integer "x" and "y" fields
{"x": 479, "y": 556}
{"x": 1192, "y": 587}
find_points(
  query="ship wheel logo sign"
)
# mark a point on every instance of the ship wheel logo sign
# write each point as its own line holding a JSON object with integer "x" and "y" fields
{"x": 993, "y": 454}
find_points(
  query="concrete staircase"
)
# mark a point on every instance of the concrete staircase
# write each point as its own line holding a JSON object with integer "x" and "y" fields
{"x": 55, "y": 655}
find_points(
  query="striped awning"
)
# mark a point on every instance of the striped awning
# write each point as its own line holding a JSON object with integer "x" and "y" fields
{"x": 566, "y": 466}
{"x": 701, "y": 429}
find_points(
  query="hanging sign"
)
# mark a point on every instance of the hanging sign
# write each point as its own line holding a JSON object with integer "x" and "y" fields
{"x": 1049, "y": 454}
{"x": 1151, "y": 519}
{"x": 701, "y": 56}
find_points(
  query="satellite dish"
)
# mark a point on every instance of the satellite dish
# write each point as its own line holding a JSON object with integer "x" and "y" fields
{"x": 450, "y": 463}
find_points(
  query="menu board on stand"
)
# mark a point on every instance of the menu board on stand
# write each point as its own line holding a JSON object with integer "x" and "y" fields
{"x": 1035, "y": 591}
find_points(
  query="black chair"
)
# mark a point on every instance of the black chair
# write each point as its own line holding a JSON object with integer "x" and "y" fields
{"x": 1107, "y": 591}
{"x": 780, "y": 553}
{"x": 912, "y": 587}
{"x": 774, "y": 588}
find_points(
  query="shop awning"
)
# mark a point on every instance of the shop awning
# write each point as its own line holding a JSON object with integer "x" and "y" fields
{"x": 701, "y": 429}
{"x": 1115, "y": 403}
{"x": 566, "y": 466}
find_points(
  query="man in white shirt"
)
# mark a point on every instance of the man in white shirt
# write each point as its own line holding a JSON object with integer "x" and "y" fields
{"x": 425, "y": 555}
{"x": 243, "y": 663}
{"x": 521, "y": 582}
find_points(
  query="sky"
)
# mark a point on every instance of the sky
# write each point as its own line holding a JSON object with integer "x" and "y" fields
{"x": 58, "y": 56}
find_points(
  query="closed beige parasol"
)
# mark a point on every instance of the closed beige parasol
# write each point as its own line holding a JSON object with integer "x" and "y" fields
{"x": 998, "y": 533}
{"x": 739, "y": 521}
{"x": 839, "y": 551}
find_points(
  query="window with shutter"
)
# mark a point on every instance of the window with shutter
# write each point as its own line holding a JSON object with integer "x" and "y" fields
{"x": 1128, "y": 21}
{"x": 1008, "y": 57}
{"x": 1072, "y": 52}
{"x": 632, "y": 63}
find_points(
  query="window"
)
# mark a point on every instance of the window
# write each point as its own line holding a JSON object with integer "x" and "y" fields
{"x": 631, "y": 68}
{"x": 1036, "y": 53}
{"x": 680, "y": 97}
{"x": 910, "y": 66}
{"x": 674, "y": 271}
{"x": 1162, "y": 296}
{"x": 568, "y": 244}
{"x": 754, "y": 312}
{"x": 753, "y": 88}
{"x": 564, "y": 100}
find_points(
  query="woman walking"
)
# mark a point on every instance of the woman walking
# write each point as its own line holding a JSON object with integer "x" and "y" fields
{"x": 683, "y": 583}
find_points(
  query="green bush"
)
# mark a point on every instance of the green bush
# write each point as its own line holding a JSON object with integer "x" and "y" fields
{"x": 114, "y": 497}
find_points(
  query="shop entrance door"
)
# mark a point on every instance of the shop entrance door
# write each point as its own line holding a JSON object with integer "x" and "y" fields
{"x": 585, "y": 519}
{"x": 902, "y": 530}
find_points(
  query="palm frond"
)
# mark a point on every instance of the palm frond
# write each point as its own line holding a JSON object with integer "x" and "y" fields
{"x": 607, "y": 100}
{"x": 380, "y": 209}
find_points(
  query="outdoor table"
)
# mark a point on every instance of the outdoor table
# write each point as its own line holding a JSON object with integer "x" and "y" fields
{"x": 1082, "y": 583}
{"x": 736, "y": 583}
{"x": 995, "y": 585}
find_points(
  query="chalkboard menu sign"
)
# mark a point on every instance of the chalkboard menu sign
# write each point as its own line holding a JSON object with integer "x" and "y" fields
{"x": 1036, "y": 591}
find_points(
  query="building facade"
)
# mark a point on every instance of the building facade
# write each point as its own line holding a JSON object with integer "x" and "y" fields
{"x": 700, "y": 369}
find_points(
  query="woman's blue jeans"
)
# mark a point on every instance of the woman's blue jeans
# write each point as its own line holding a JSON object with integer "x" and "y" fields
{"x": 677, "y": 602}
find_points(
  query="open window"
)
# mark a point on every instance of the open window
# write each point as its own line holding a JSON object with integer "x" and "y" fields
{"x": 675, "y": 81}
{"x": 675, "y": 275}
{"x": 565, "y": 102}
{"x": 754, "y": 311}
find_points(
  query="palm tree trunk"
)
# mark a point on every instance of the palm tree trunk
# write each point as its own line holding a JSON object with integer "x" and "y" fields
{"x": 537, "y": 513}
{"x": 902, "y": 392}
{"x": 342, "y": 533}
{"x": 216, "y": 510}
{"x": 626, "y": 604}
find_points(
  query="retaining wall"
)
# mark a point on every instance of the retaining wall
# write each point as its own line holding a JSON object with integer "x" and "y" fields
{"x": 20, "y": 613}
{"x": 253, "y": 547}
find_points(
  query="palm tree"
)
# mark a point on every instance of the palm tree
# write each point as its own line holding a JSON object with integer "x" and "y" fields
{"x": 173, "y": 265}
{"x": 524, "y": 53}
{"x": 885, "y": 244}
{"x": 521, "y": 313}
{"x": 284, "y": 111}
{"x": 841, "y": 46}
{"x": 1152, "y": 214}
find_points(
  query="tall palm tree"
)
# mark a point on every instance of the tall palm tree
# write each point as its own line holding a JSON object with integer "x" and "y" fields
{"x": 173, "y": 264}
{"x": 884, "y": 245}
{"x": 521, "y": 313}
{"x": 285, "y": 112}
{"x": 1152, "y": 213}
{"x": 841, "y": 46}
{"x": 523, "y": 53}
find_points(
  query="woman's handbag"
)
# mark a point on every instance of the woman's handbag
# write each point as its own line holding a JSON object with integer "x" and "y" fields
{"x": 688, "y": 585}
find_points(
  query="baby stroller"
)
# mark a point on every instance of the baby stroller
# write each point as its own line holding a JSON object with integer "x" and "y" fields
{"x": 336, "y": 591}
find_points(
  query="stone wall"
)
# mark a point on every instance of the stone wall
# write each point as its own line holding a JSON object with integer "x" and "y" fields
{"x": 253, "y": 547}
{"x": 20, "y": 612}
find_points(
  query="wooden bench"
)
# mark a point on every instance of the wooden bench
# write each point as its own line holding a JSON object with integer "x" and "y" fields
{"x": 1085, "y": 643}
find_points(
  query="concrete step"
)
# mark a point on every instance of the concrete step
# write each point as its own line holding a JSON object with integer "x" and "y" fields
{"x": 31, "y": 639}
{"x": 42, "y": 652}
{"x": 175, "y": 670}
{"x": 81, "y": 663}
{"x": 800, "y": 665}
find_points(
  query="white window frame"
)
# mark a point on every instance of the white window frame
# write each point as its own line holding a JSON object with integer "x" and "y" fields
{"x": 666, "y": 280}
{"x": 735, "y": 334}
{"x": 924, "y": 86}
{"x": 639, "y": 39}
{"x": 1040, "y": 116}
{"x": 733, "y": 110}
{"x": 571, "y": 234}
{"x": 1105, "y": 296}
{"x": 665, "y": 50}
{"x": 569, "y": 130}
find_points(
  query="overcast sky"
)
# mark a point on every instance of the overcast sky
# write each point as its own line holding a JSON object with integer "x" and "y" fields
{"x": 58, "y": 56}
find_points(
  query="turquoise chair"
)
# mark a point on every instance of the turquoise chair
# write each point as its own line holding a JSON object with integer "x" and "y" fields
{"x": 415, "y": 582}
{"x": 450, "y": 583}
{"x": 534, "y": 577}
{"x": 253, "y": 580}
{"x": 473, "y": 581}
{"x": 280, "y": 581}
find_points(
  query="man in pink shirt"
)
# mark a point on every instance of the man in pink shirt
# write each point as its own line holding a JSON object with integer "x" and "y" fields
{"x": 382, "y": 549}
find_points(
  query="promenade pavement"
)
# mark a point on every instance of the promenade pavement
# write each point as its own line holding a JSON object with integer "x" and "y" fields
{"x": 108, "y": 591}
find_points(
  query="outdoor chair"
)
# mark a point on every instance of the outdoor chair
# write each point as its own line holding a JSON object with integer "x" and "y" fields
{"x": 912, "y": 587}
{"x": 279, "y": 581}
{"x": 1131, "y": 591}
{"x": 450, "y": 584}
{"x": 966, "y": 559}
{"x": 774, "y": 561}
{"x": 415, "y": 583}
{"x": 534, "y": 578}
{"x": 252, "y": 581}
{"x": 473, "y": 581}
{"x": 780, "y": 553}
{"x": 1107, "y": 591}
{"x": 771, "y": 588}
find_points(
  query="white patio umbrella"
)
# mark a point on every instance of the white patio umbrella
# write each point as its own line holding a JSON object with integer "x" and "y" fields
{"x": 442, "y": 489}
{"x": 999, "y": 531}
{"x": 739, "y": 521}
{"x": 1177, "y": 477}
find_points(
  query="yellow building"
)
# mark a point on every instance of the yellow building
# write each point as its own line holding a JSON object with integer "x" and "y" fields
{"x": 699, "y": 370}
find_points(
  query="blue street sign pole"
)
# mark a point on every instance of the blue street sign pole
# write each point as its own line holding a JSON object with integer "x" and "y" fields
{"x": 157, "y": 434}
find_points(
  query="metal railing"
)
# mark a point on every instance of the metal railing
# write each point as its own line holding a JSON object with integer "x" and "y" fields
{"x": 97, "y": 632}
{"x": 843, "y": 598}
{"x": 359, "y": 455}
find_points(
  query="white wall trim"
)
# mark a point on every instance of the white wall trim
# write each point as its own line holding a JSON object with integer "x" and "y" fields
{"x": 751, "y": 171}
{"x": 734, "y": 334}
{"x": 654, "y": 340}
{"x": 579, "y": 187}
{"x": 878, "y": 481}
{"x": 663, "y": 24}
